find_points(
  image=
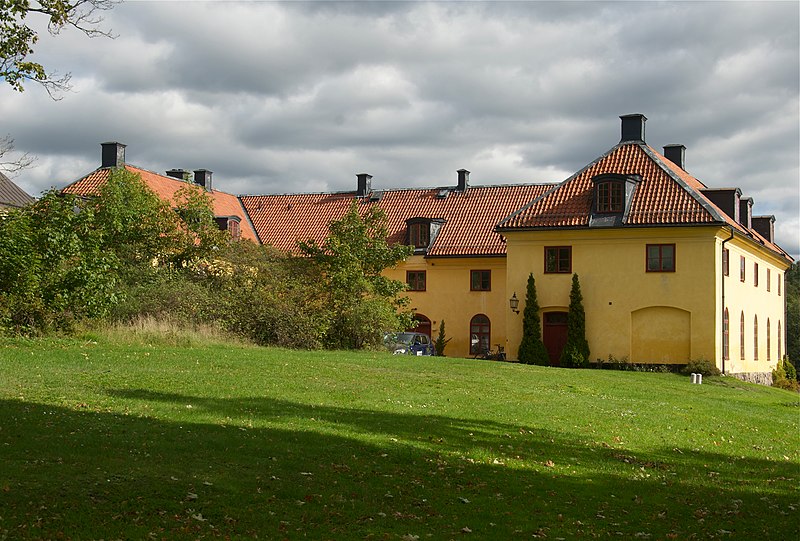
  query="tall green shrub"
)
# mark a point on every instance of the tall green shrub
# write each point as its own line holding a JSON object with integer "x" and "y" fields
{"x": 576, "y": 350}
{"x": 531, "y": 349}
{"x": 441, "y": 340}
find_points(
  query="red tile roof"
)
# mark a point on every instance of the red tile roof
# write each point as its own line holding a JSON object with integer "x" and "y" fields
{"x": 469, "y": 218}
{"x": 166, "y": 187}
{"x": 666, "y": 195}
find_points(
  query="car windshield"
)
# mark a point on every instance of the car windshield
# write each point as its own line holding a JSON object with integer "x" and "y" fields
{"x": 403, "y": 338}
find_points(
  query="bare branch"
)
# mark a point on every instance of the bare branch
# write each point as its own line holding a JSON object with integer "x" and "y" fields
{"x": 13, "y": 165}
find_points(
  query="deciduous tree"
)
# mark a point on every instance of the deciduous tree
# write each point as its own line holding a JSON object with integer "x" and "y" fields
{"x": 362, "y": 303}
{"x": 18, "y": 38}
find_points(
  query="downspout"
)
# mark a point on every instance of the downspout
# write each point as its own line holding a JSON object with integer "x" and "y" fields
{"x": 722, "y": 313}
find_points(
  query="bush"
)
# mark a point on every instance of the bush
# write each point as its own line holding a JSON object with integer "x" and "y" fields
{"x": 625, "y": 365}
{"x": 701, "y": 366}
{"x": 784, "y": 376}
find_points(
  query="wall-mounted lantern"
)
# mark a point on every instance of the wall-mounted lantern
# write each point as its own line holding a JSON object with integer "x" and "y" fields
{"x": 514, "y": 302}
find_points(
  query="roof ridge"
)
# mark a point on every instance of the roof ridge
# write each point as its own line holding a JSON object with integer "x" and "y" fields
{"x": 558, "y": 186}
{"x": 407, "y": 189}
{"x": 654, "y": 155}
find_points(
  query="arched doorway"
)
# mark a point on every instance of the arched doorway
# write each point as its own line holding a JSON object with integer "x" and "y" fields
{"x": 423, "y": 325}
{"x": 480, "y": 331}
{"x": 554, "y": 335}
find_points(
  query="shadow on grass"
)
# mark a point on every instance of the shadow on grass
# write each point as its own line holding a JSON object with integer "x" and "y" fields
{"x": 353, "y": 474}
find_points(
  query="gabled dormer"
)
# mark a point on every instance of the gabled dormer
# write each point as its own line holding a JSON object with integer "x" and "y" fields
{"x": 422, "y": 232}
{"x": 611, "y": 199}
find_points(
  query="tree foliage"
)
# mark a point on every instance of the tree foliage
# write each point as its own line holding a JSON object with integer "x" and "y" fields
{"x": 65, "y": 258}
{"x": 531, "y": 349}
{"x": 576, "y": 350}
{"x": 360, "y": 302}
{"x": 792, "y": 331}
{"x": 17, "y": 37}
{"x": 54, "y": 266}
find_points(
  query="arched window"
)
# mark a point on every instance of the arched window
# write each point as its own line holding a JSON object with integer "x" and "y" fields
{"x": 755, "y": 338}
{"x": 741, "y": 337}
{"x": 769, "y": 346}
{"x": 725, "y": 336}
{"x": 479, "y": 334}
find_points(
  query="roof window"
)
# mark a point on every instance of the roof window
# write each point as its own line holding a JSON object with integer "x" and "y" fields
{"x": 611, "y": 199}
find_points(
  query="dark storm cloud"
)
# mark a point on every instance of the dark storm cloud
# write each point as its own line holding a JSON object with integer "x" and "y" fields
{"x": 302, "y": 96}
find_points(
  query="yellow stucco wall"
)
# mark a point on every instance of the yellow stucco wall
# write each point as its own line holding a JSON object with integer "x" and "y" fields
{"x": 669, "y": 317}
{"x": 448, "y": 297}
{"x": 754, "y": 301}
{"x": 630, "y": 313}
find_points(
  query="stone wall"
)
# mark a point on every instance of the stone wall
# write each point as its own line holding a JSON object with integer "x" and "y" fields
{"x": 762, "y": 378}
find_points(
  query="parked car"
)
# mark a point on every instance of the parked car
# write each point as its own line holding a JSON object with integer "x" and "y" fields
{"x": 409, "y": 343}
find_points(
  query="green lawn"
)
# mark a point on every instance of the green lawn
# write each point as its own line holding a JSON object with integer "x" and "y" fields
{"x": 137, "y": 442}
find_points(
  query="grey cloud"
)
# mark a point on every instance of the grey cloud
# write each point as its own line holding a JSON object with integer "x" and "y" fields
{"x": 278, "y": 97}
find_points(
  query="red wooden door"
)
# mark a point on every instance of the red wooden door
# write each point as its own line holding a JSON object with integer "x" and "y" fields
{"x": 555, "y": 335}
{"x": 423, "y": 325}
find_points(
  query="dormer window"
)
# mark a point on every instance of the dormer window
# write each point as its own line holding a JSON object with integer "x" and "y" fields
{"x": 419, "y": 234}
{"x": 611, "y": 199}
{"x": 422, "y": 232}
{"x": 230, "y": 224}
{"x": 610, "y": 196}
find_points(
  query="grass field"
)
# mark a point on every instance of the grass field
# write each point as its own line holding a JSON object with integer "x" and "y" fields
{"x": 103, "y": 441}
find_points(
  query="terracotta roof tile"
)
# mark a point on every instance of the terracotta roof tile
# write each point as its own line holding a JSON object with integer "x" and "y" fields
{"x": 166, "y": 187}
{"x": 666, "y": 195}
{"x": 283, "y": 220}
{"x": 658, "y": 199}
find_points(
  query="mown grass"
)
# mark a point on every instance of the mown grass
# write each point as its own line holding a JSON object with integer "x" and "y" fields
{"x": 126, "y": 441}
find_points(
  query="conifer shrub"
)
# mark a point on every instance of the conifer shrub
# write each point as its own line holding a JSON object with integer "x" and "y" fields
{"x": 576, "y": 350}
{"x": 531, "y": 349}
{"x": 441, "y": 340}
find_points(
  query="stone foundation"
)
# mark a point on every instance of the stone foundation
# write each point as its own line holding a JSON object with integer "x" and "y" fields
{"x": 761, "y": 378}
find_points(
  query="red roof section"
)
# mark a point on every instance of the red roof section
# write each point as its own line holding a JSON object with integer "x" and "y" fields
{"x": 666, "y": 195}
{"x": 469, "y": 217}
{"x": 224, "y": 204}
{"x": 658, "y": 199}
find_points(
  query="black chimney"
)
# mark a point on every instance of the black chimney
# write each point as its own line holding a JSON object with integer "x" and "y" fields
{"x": 463, "y": 180}
{"x": 202, "y": 177}
{"x": 676, "y": 154}
{"x": 364, "y": 184}
{"x": 765, "y": 226}
{"x": 746, "y": 212}
{"x": 633, "y": 128}
{"x": 180, "y": 174}
{"x": 113, "y": 154}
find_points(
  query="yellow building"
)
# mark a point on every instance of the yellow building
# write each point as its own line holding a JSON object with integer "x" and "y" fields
{"x": 670, "y": 269}
{"x": 658, "y": 256}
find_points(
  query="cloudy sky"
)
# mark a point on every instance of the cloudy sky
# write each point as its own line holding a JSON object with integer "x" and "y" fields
{"x": 289, "y": 97}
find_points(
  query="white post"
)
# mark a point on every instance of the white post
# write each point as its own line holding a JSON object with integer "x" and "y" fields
{"x": 699, "y": 379}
